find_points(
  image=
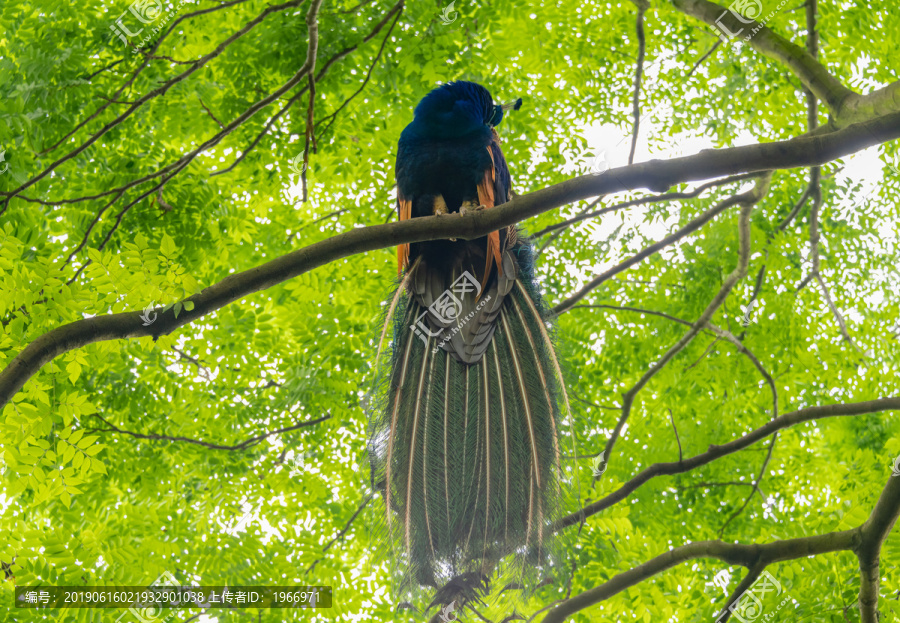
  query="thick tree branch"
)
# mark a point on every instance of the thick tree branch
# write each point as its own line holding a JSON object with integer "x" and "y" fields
{"x": 873, "y": 533}
{"x": 655, "y": 174}
{"x": 865, "y": 540}
{"x": 732, "y": 553}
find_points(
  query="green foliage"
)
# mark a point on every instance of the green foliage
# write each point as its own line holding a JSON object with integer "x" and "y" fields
{"x": 99, "y": 483}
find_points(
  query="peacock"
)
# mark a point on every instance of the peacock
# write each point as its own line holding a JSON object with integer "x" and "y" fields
{"x": 465, "y": 441}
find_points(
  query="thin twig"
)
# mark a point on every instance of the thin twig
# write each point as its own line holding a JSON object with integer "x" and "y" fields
{"x": 638, "y": 73}
{"x": 161, "y": 90}
{"x": 759, "y": 477}
{"x": 342, "y": 533}
{"x": 677, "y": 438}
{"x": 331, "y": 118}
{"x": 321, "y": 218}
{"x": 688, "y": 229}
{"x": 252, "y": 441}
{"x": 703, "y": 58}
{"x": 331, "y": 61}
{"x": 209, "y": 112}
{"x": 797, "y": 207}
{"x": 648, "y": 199}
{"x": 90, "y": 228}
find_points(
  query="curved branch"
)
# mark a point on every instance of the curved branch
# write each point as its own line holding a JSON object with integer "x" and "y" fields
{"x": 811, "y": 73}
{"x": 747, "y": 200}
{"x": 865, "y": 540}
{"x": 335, "y": 58}
{"x": 873, "y": 533}
{"x": 732, "y": 553}
{"x": 346, "y": 102}
{"x": 171, "y": 170}
{"x": 689, "y": 194}
{"x": 646, "y": 252}
{"x": 160, "y": 90}
{"x": 655, "y": 174}
{"x": 715, "y": 451}
{"x": 248, "y": 443}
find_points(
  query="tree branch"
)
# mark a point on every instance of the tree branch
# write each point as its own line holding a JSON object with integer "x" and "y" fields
{"x": 811, "y": 73}
{"x": 732, "y": 553}
{"x": 873, "y": 534}
{"x": 252, "y": 441}
{"x": 655, "y": 174}
{"x": 747, "y": 200}
{"x": 715, "y": 451}
{"x": 335, "y": 58}
{"x": 160, "y": 90}
{"x": 690, "y": 194}
{"x": 342, "y": 533}
{"x": 864, "y": 540}
{"x": 171, "y": 170}
{"x": 642, "y": 6}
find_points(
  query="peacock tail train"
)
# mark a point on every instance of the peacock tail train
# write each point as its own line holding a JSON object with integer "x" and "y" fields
{"x": 469, "y": 439}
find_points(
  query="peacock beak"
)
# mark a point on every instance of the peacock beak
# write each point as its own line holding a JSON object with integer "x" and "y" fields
{"x": 515, "y": 105}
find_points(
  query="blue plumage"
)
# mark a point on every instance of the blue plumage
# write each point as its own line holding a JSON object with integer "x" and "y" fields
{"x": 444, "y": 150}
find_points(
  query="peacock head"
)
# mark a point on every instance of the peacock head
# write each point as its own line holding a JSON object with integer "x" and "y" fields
{"x": 458, "y": 109}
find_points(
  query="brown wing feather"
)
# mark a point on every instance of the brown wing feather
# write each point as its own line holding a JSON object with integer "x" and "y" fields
{"x": 404, "y": 208}
{"x": 486, "y": 198}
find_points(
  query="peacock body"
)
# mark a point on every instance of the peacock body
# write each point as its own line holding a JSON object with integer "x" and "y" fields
{"x": 465, "y": 448}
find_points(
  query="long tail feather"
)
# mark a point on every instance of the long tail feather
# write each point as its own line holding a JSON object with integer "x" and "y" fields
{"x": 470, "y": 451}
